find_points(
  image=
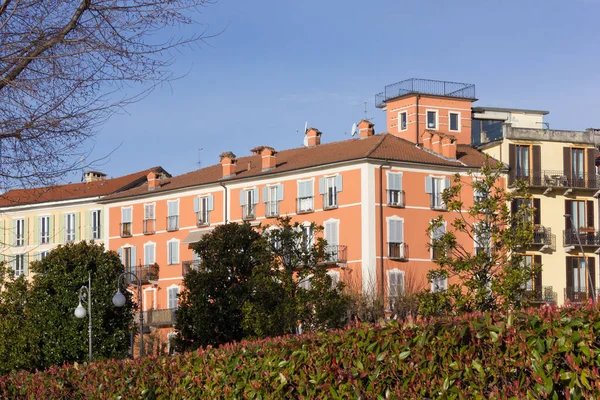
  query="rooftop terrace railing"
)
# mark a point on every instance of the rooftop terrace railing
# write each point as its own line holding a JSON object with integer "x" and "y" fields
{"x": 425, "y": 86}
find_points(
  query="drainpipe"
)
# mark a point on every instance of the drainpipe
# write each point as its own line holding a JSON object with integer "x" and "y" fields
{"x": 417, "y": 141}
{"x": 225, "y": 202}
{"x": 381, "y": 267}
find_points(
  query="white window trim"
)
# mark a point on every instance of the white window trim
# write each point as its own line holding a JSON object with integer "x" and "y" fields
{"x": 150, "y": 243}
{"x": 99, "y": 221}
{"x": 338, "y": 227}
{"x": 457, "y": 113}
{"x": 307, "y": 224}
{"x": 67, "y": 214}
{"x": 400, "y": 121}
{"x": 395, "y": 270}
{"x": 153, "y": 204}
{"x": 437, "y": 119}
{"x": 445, "y": 286}
{"x": 40, "y": 231}
{"x": 178, "y": 252}
{"x": 124, "y": 208}
{"x": 168, "y": 203}
{"x": 173, "y": 286}
{"x": 445, "y": 225}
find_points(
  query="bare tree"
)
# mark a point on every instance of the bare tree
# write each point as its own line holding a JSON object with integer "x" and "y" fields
{"x": 64, "y": 65}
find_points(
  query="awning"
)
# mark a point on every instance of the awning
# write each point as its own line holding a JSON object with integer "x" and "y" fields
{"x": 195, "y": 236}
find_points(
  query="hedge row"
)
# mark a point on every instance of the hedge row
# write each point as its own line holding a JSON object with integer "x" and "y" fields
{"x": 539, "y": 353}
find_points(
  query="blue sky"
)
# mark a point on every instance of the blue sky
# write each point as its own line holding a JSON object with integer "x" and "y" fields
{"x": 280, "y": 63}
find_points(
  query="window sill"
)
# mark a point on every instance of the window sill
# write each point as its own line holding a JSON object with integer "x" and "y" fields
{"x": 332, "y": 207}
{"x": 173, "y": 230}
{"x": 395, "y": 205}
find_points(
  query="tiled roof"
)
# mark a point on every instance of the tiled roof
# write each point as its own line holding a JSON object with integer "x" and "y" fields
{"x": 382, "y": 146}
{"x": 74, "y": 191}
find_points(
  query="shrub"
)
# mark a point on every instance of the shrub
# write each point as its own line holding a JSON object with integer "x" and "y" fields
{"x": 541, "y": 353}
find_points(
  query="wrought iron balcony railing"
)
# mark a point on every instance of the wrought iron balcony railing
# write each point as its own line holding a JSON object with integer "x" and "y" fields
{"x": 395, "y": 198}
{"x": 425, "y": 86}
{"x": 305, "y": 204}
{"x": 542, "y": 236}
{"x": 579, "y": 294}
{"x": 272, "y": 209}
{"x": 147, "y": 272}
{"x": 164, "y": 317}
{"x": 189, "y": 265}
{"x": 172, "y": 223}
{"x": 149, "y": 226}
{"x": 546, "y": 295}
{"x": 125, "y": 229}
{"x": 556, "y": 179}
{"x": 397, "y": 251}
{"x": 335, "y": 253}
{"x": 587, "y": 237}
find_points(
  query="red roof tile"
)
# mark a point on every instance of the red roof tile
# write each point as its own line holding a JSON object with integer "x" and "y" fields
{"x": 74, "y": 191}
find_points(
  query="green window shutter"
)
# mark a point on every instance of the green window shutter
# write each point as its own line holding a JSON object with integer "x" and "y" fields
{"x": 2, "y": 239}
{"x": 61, "y": 228}
{"x": 26, "y": 264}
{"x": 26, "y": 231}
{"x": 36, "y": 230}
{"x": 52, "y": 229}
{"x": 77, "y": 226}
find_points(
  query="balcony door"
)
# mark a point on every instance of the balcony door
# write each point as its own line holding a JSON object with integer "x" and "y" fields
{"x": 522, "y": 160}
{"x": 578, "y": 167}
{"x": 581, "y": 279}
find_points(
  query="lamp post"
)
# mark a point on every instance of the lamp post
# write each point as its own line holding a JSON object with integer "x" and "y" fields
{"x": 584, "y": 259}
{"x": 119, "y": 300}
{"x": 85, "y": 294}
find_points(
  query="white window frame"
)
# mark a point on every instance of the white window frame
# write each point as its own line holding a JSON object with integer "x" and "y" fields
{"x": 335, "y": 277}
{"x": 334, "y": 203}
{"x": 169, "y": 255}
{"x": 439, "y": 285}
{"x": 400, "y": 199}
{"x": 445, "y": 225}
{"x": 44, "y": 239}
{"x": 395, "y": 218}
{"x": 305, "y": 283}
{"x": 310, "y": 242}
{"x": 272, "y": 191}
{"x": 170, "y": 227}
{"x": 96, "y": 215}
{"x": 147, "y": 244}
{"x": 306, "y": 200}
{"x": 19, "y": 266}
{"x": 457, "y": 113}
{"x": 43, "y": 254}
{"x": 203, "y": 210}
{"x": 148, "y": 206}
{"x": 389, "y": 287}
{"x": 69, "y": 235}
{"x": 437, "y": 117}
{"x": 400, "y": 114}
{"x": 130, "y": 222}
{"x": 249, "y": 209}
{"x": 438, "y": 194}
{"x": 169, "y": 289}
{"x": 19, "y": 232}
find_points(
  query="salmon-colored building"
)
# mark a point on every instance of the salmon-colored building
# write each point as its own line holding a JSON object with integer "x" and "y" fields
{"x": 375, "y": 196}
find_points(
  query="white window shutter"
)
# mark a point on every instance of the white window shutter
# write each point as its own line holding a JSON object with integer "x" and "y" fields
{"x": 428, "y": 184}
{"x": 196, "y": 204}
{"x": 26, "y": 264}
{"x": 321, "y": 185}
{"x": 338, "y": 183}
{"x": 308, "y": 188}
{"x": 242, "y": 197}
{"x": 265, "y": 194}
{"x": 255, "y": 195}
{"x": 447, "y": 183}
{"x": 133, "y": 261}
{"x": 280, "y": 192}
{"x": 210, "y": 202}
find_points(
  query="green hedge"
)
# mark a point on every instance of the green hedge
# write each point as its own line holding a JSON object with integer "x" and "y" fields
{"x": 539, "y": 353}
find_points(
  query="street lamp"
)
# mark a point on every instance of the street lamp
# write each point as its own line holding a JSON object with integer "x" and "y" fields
{"x": 119, "y": 300}
{"x": 584, "y": 259}
{"x": 85, "y": 294}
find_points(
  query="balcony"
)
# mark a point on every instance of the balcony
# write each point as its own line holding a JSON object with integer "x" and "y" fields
{"x": 335, "y": 253}
{"x": 149, "y": 226}
{"x": 330, "y": 201}
{"x": 189, "y": 265}
{"x": 545, "y": 296}
{"x": 305, "y": 205}
{"x": 543, "y": 238}
{"x": 437, "y": 203}
{"x": 272, "y": 209}
{"x": 125, "y": 229}
{"x": 397, "y": 251}
{"x": 248, "y": 212}
{"x": 165, "y": 317}
{"x": 172, "y": 223}
{"x": 587, "y": 237}
{"x": 147, "y": 273}
{"x": 202, "y": 218}
{"x": 556, "y": 179}
{"x": 578, "y": 294}
{"x": 425, "y": 86}
{"x": 395, "y": 198}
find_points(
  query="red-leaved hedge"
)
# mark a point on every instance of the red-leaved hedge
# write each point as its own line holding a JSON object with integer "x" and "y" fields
{"x": 539, "y": 353}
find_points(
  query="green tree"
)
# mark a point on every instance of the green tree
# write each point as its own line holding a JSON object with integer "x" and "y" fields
{"x": 210, "y": 306}
{"x": 60, "y": 336}
{"x": 494, "y": 276}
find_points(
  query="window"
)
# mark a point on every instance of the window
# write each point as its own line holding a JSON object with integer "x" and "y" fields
{"x": 202, "y": 207}
{"x": 44, "y": 223}
{"x": 173, "y": 252}
{"x": 20, "y": 232}
{"x": 128, "y": 258}
{"x": 395, "y": 198}
{"x": 527, "y": 262}
{"x": 248, "y": 201}
{"x": 482, "y": 240}
{"x": 437, "y": 233}
{"x": 272, "y": 195}
{"x": 454, "y": 121}
{"x": 173, "y": 297}
{"x": 305, "y": 283}
{"x": 149, "y": 254}
{"x": 578, "y": 215}
{"x": 335, "y": 278}
{"x": 329, "y": 188}
{"x": 396, "y": 239}
{"x": 42, "y": 255}
{"x": 305, "y": 197}
{"x": 149, "y": 219}
{"x": 331, "y": 233}
{"x": 95, "y": 217}
{"x": 20, "y": 265}
{"x": 126, "y": 220}
{"x": 308, "y": 236}
{"x": 577, "y": 167}
{"x": 439, "y": 284}
{"x": 402, "y": 121}
{"x": 435, "y": 187}
{"x": 432, "y": 117}
{"x": 395, "y": 287}
{"x": 173, "y": 215}
{"x": 580, "y": 278}
{"x": 70, "y": 227}
{"x": 522, "y": 159}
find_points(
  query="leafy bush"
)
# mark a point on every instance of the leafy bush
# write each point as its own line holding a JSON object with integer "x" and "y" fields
{"x": 541, "y": 353}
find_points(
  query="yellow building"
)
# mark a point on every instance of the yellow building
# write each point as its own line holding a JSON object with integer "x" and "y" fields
{"x": 34, "y": 221}
{"x": 559, "y": 167}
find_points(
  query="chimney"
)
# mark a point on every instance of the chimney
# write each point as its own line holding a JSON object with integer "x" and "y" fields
{"x": 228, "y": 162}
{"x": 436, "y": 143}
{"x": 313, "y": 137}
{"x": 94, "y": 176}
{"x": 426, "y": 138}
{"x": 153, "y": 180}
{"x": 365, "y": 129}
{"x": 268, "y": 158}
{"x": 449, "y": 147}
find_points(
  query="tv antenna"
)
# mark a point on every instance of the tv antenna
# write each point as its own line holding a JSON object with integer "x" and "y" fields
{"x": 367, "y": 118}
{"x": 199, "y": 163}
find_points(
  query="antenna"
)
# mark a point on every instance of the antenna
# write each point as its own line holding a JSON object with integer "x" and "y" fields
{"x": 199, "y": 163}
{"x": 367, "y": 118}
{"x": 354, "y": 129}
